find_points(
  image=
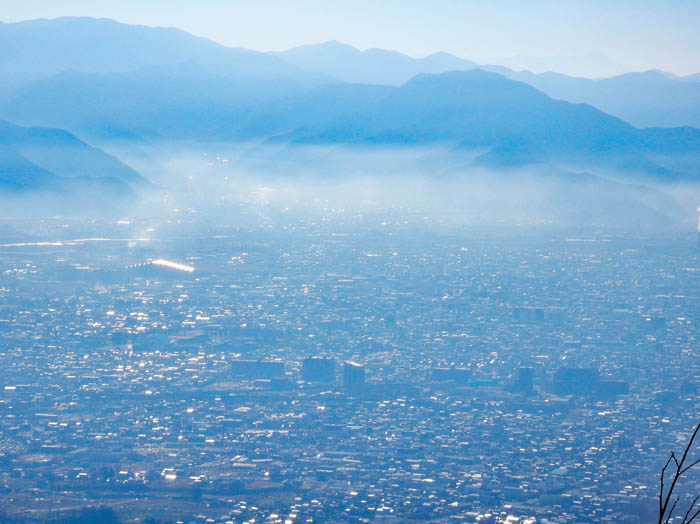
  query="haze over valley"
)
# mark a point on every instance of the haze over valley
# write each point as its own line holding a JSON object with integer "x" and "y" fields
{"x": 330, "y": 111}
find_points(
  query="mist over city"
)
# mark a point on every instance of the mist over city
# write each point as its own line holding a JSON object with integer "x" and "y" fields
{"x": 348, "y": 262}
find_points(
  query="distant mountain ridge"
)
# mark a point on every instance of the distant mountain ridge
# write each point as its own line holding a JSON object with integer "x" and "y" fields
{"x": 645, "y": 99}
{"x": 373, "y": 66}
{"x": 63, "y": 154}
{"x": 37, "y": 49}
{"x": 53, "y": 160}
{"x": 520, "y": 124}
{"x": 170, "y": 85}
{"x": 474, "y": 109}
{"x": 19, "y": 174}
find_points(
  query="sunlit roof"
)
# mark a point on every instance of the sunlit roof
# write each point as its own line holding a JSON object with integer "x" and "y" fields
{"x": 161, "y": 262}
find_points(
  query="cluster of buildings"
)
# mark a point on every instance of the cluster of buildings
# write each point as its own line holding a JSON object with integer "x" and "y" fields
{"x": 373, "y": 375}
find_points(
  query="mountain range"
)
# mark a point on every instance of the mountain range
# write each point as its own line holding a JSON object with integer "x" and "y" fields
{"x": 39, "y": 49}
{"x": 105, "y": 81}
{"x": 55, "y": 161}
{"x": 645, "y": 99}
{"x": 374, "y": 66}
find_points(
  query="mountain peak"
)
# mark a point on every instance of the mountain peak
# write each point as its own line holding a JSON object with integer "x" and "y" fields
{"x": 330, "y": 46}
{"x": 470, "y": 77}
{"x": 451, "y": 61}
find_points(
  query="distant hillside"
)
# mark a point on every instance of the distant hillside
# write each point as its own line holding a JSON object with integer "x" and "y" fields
{"x": 19, "y": 174}
{"x": 61, "y": 153}
{"x": 373, "y": 66}
{"x": 644, "y": 99}
{"x": 26, "y": 189}
{"x": 472, "y": 109}
{"x": 520, "y": 124}
{"x": 479, "y": 109}
{"x": 38, "y": 49}
{"x": 53, "y": 162}
{"x": 52, "y": 50}
{"x": 178, "y": 101}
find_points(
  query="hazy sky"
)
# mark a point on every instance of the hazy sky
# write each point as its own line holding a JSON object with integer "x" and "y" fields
{"x": 640, "y": 34}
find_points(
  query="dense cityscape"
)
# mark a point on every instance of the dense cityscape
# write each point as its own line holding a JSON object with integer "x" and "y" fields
{"x": 349, "y": 370}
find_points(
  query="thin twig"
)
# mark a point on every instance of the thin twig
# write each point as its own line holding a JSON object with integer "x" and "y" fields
{"x": 670, "y": 513}
{"x": 685, "y": 519}
{"x": 688, "y": 467}
{"x": 694, "y": 516}
{"x": 666, "y": 496}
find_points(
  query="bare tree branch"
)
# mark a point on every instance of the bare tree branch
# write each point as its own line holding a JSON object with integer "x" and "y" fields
{"x": 688, "y": 467}
{"x": 666, "y": 495}
{"x": 670, "y": 513}
{"x": 694, "y": 516}
{"x": 690, "y": 509}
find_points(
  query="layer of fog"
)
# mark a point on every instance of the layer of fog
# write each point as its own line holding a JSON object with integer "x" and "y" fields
{"x": 436, "y": 184}
{"x": 277, "y": 185}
